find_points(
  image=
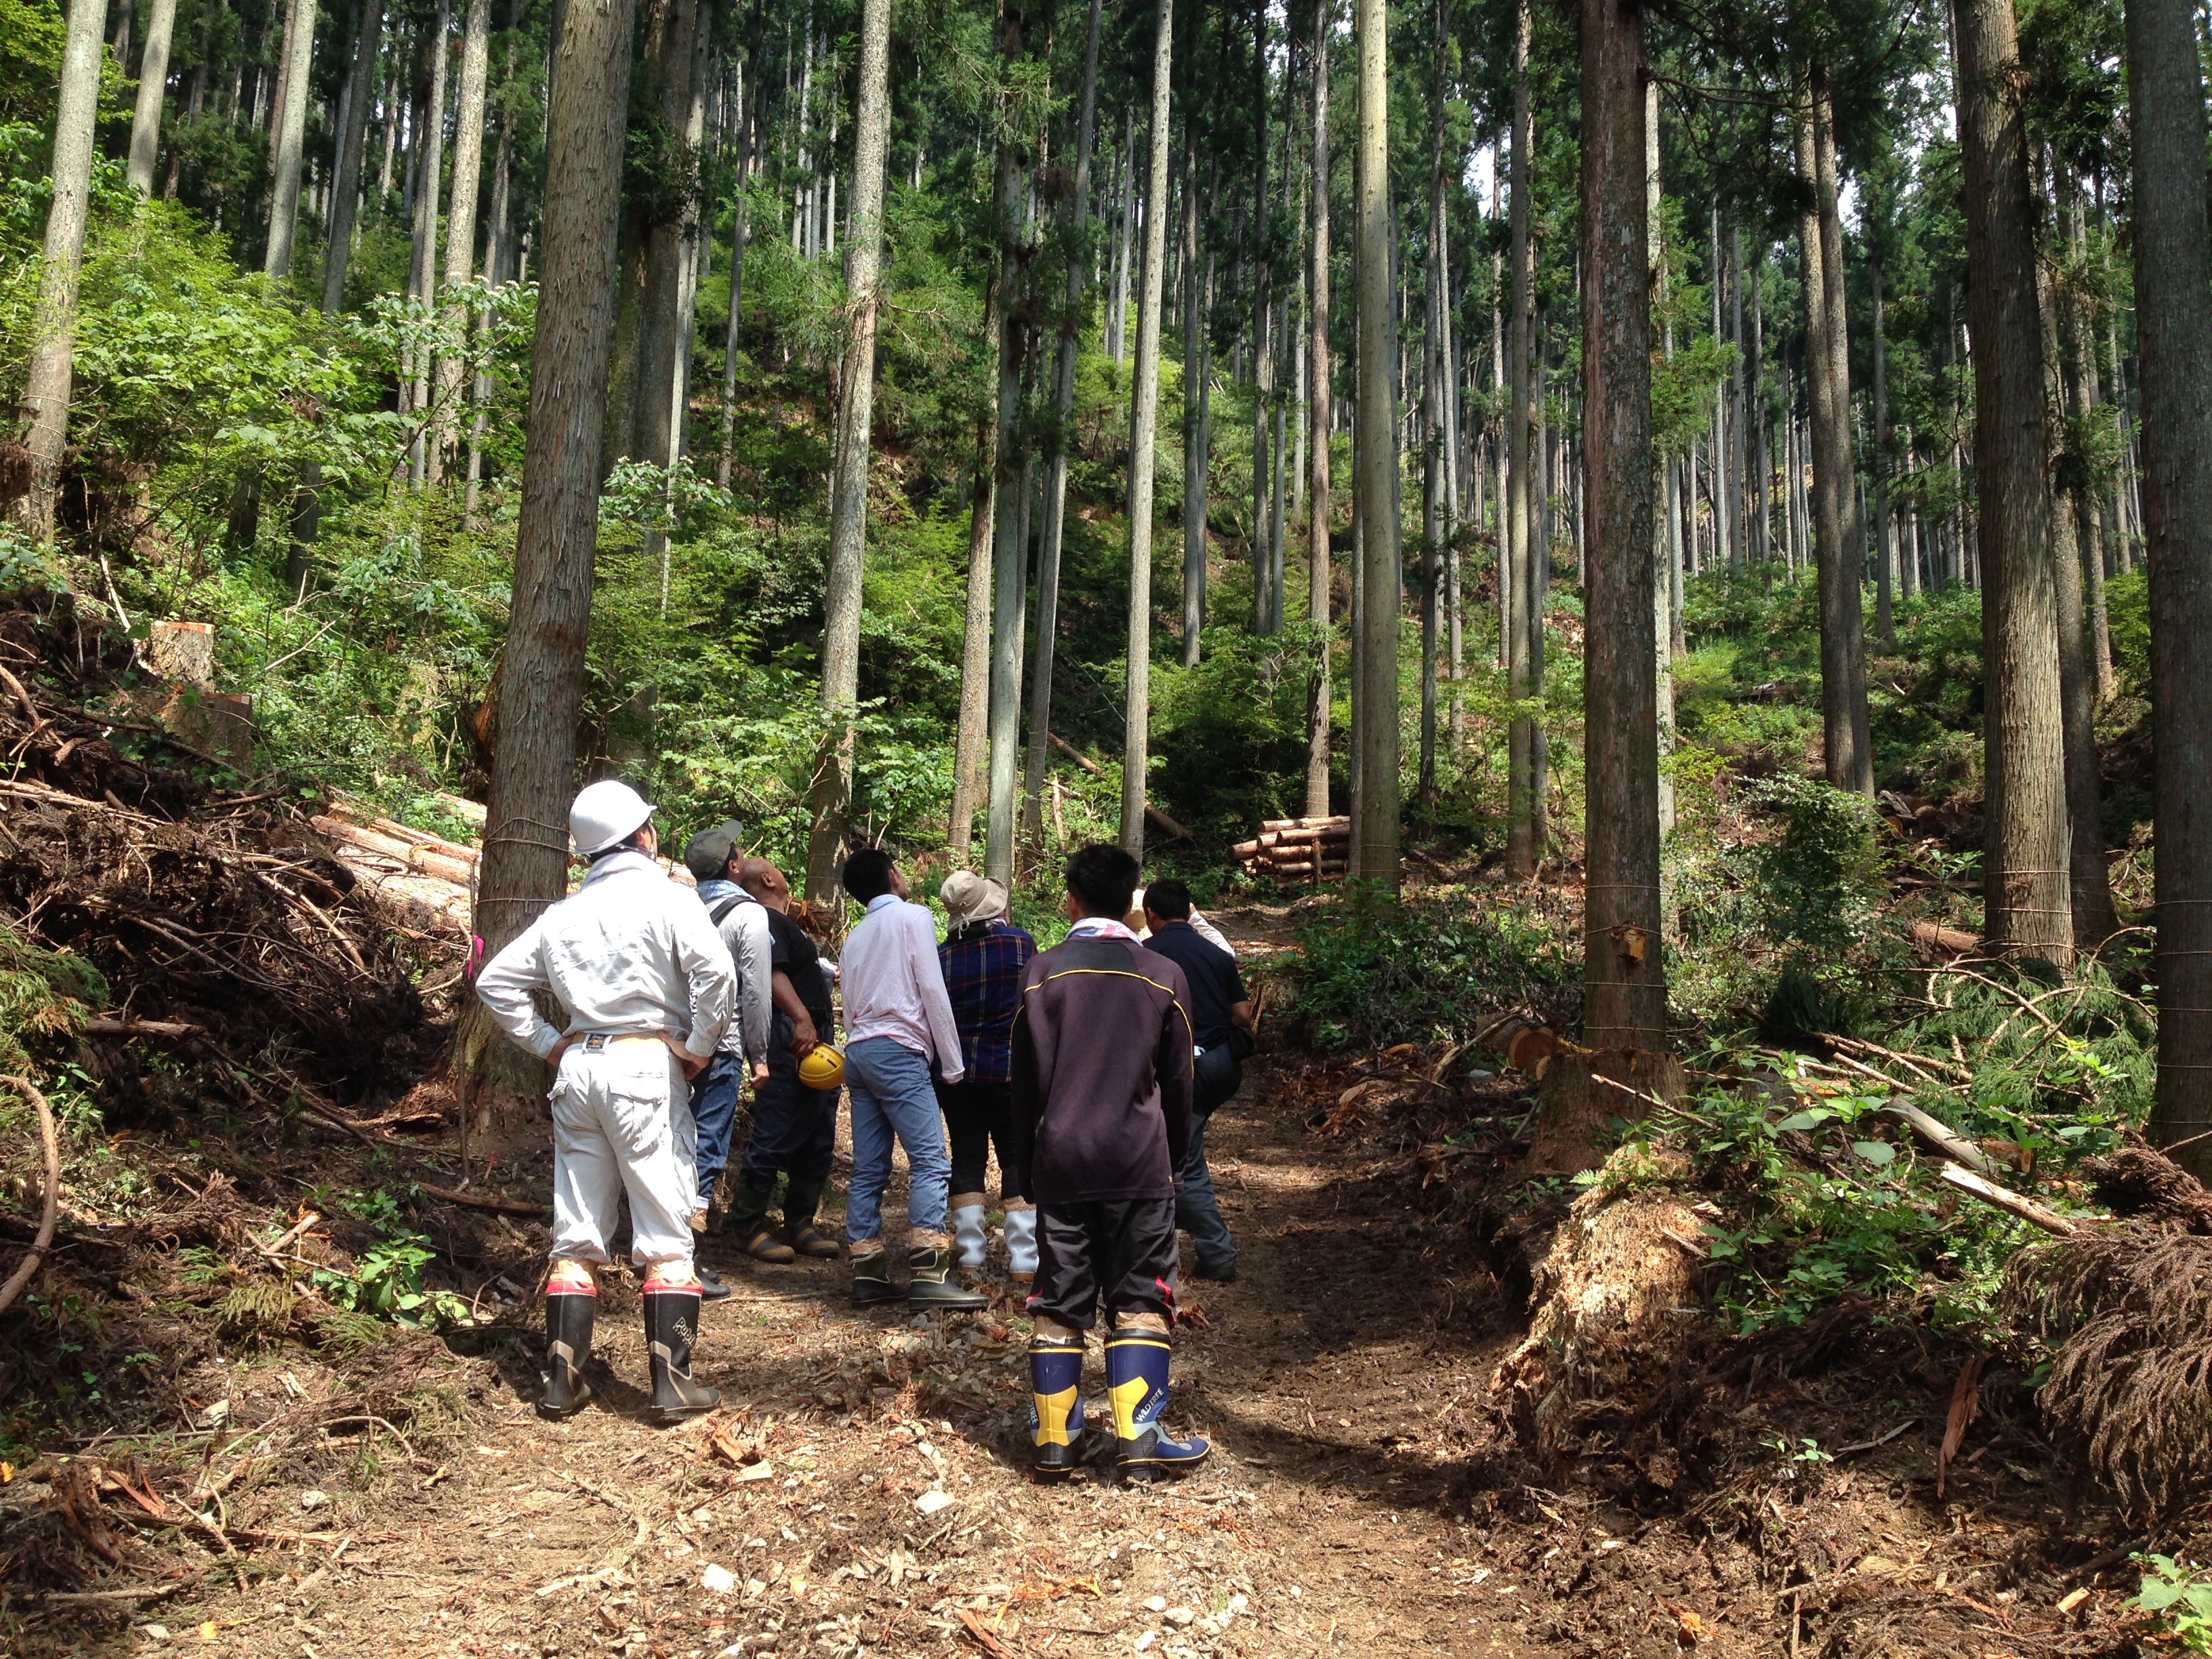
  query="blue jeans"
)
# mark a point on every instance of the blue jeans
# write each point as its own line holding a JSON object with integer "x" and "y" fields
{"x": 714, "y": 1109}
{"x": 892, "y": 1094}
{"x": 1196, "y": 1211}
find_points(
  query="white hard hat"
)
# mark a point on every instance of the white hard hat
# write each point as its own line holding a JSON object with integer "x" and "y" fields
{"x": 604, "y": 813}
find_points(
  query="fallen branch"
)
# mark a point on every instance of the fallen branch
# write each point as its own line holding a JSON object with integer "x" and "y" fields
{"x": 165, "y": 1028}
{"x": 2011, "y": 1203}
{"x": 291, "y": 1233}
{"x": 1175, "y": 831}
{"x": 36, "y": 1257}
{"x": 497, "y": 1206}
{"x": 1940, "y": 1137}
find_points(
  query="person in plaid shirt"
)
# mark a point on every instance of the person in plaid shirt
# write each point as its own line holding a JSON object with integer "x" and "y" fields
{"x": 982, "y": 958}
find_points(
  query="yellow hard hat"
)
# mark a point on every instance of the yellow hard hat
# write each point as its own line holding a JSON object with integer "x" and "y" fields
{"x": 823, "y": 1068}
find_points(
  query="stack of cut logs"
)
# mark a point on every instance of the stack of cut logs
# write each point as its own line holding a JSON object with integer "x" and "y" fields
{"x": 1297, "y": 849}
{"x": 430, "y": 880}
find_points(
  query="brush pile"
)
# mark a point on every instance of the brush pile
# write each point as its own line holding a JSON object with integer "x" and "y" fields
{"x": 1309, "y": 850}
{"x": 228, "y": 959}
{"x": 2129, "y": 1307}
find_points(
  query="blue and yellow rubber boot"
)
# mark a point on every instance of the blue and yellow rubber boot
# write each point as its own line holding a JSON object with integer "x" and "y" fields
{"x": 1056, "y": 1405}
{"x": 1137, "y": 1383}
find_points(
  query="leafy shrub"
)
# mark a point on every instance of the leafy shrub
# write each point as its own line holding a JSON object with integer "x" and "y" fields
{"x": 1432, "y": 968}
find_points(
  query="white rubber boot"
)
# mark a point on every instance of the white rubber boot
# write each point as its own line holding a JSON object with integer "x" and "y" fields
{"x": 968, "y": 1239}
{"x": 1021, "y": 1242}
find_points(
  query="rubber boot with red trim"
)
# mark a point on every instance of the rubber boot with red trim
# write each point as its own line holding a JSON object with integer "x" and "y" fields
{"x": 571, "y": 1303}
{"x": 672, "y": 1321}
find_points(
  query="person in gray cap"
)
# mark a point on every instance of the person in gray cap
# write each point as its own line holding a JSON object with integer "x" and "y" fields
{"x": 982, "y": 959}
{"x": 643, "y": 985}
{"x": 713, "y": 856}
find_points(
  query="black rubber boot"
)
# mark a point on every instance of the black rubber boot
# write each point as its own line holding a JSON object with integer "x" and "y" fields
{"x": 931, "y": 1284}
{"x": 872, "y": 1280}
{"x": 671, "y": 1320}
{"x": 801, "y": 1199}
{"x": 568, "y": 1316}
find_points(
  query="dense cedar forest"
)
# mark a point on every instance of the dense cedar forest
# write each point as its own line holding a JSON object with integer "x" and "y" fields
{"x": 1650, "y": 567}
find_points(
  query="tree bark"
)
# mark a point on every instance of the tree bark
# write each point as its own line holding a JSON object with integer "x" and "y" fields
{"x": 1009, "y": 550}
{"x": 526, "y": 859}
{"x": 2028, "y": 902}
{"x": 1320, "y": 694}
{"x": 975, "y": 637}
{"x": 1063, "y": 403}
{"x": 1524, "y": 834}
{"x": 2089, "y": 881}
{"x": 848, "y": 488}
{"x": 1143, "y": 420}
{"x": 1432, "y": 426}
{"x": 1375, "y": 811}
{"x": 291, "y": 126}
{"x": 1845, "y": 743}
{"x": 1885, "y": 625}
{"x": 353, "y": 143}
{"x": 738, "y": 215}
{"x": 461, "y": 215}
{"x": 53, "y": 342}
{"x": 671, "y": 60}
{"x": 153, "y": 89}
{"x": 1194, "y": 457}
{"x": 2173, "y": 323}
{"x": 1663, "y": 572}
{"x": 1624, "y": 981}
{"x": 422, "y": 267}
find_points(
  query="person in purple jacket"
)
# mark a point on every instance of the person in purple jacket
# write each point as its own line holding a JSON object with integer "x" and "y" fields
{"x": 1102, "y": 1062}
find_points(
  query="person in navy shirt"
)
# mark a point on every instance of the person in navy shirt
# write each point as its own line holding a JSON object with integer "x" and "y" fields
{"x": 1221, "y": 1037}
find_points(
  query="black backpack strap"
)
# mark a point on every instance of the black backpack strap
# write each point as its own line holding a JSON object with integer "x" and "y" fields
{"x": 723, "y": 908}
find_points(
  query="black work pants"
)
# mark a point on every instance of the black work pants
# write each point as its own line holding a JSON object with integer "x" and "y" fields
{"x": 1119, "y": 1251}
{"x": 979, "y": 1116}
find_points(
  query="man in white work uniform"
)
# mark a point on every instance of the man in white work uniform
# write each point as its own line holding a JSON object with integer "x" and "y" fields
{"x": 645, "y": 985}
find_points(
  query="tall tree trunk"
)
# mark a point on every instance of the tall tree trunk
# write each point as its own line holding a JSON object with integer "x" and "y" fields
{"x": 1194, "y": 457}
{"x": 1524, "y": 834}
{"x": 1375, "y": 463}
{"x": 353, "y": 143}
{"x": 429, "y": 146}
{"x": 53, "y": 340}
{"x": 1885, "y": 626}
{"x": 291, "y": 134}
{"x": 2089, "y": 881}
{"x": 975, "y": 638}
{"x": 671, "y": 59}
{"x": 2173, "y": 338}
{"x": 1009, "y": 552}
{"x": 1845, "y": 743}
{"x": 1624, "y": 980}
{"x": 848, "y": 489}
{"x": 525, "y": 862}
{"x": 1320, "y": 694}
{"x": 153, "y": 89}
{"x": 2028, "y": 908}
{"x": 1143, "y": 420}
{"x": 1662, "y": 564}
{"x": 461, "y": 215}
{"x": 1263, "y": 355}
{"x": 2081, "y": 396}
{"x": 1063, "y": 403}
{"x": 738, "y": 215}
{"x": 1432, "y": 424}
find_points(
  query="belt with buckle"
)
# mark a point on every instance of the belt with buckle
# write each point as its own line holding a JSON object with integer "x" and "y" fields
{"x": 592, "y": 1043}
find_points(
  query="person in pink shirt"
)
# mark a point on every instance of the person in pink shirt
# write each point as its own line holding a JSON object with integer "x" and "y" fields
{"x": 898, "y": 1028}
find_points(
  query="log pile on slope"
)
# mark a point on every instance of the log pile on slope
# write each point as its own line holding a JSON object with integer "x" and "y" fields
{"x": 1309, "y": 850}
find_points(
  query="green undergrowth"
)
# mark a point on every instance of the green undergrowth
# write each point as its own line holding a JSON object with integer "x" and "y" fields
{"x": 1433, "y": 969}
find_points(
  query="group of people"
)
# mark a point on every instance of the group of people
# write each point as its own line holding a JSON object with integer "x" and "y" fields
{"x": 1090, "y": 1070}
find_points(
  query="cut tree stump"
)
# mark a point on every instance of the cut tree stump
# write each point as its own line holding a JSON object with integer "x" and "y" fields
{"x": 1583, "y": 1090}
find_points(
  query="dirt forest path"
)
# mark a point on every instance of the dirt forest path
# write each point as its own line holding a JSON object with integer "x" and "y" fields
{"x": 866, "y": 1492}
